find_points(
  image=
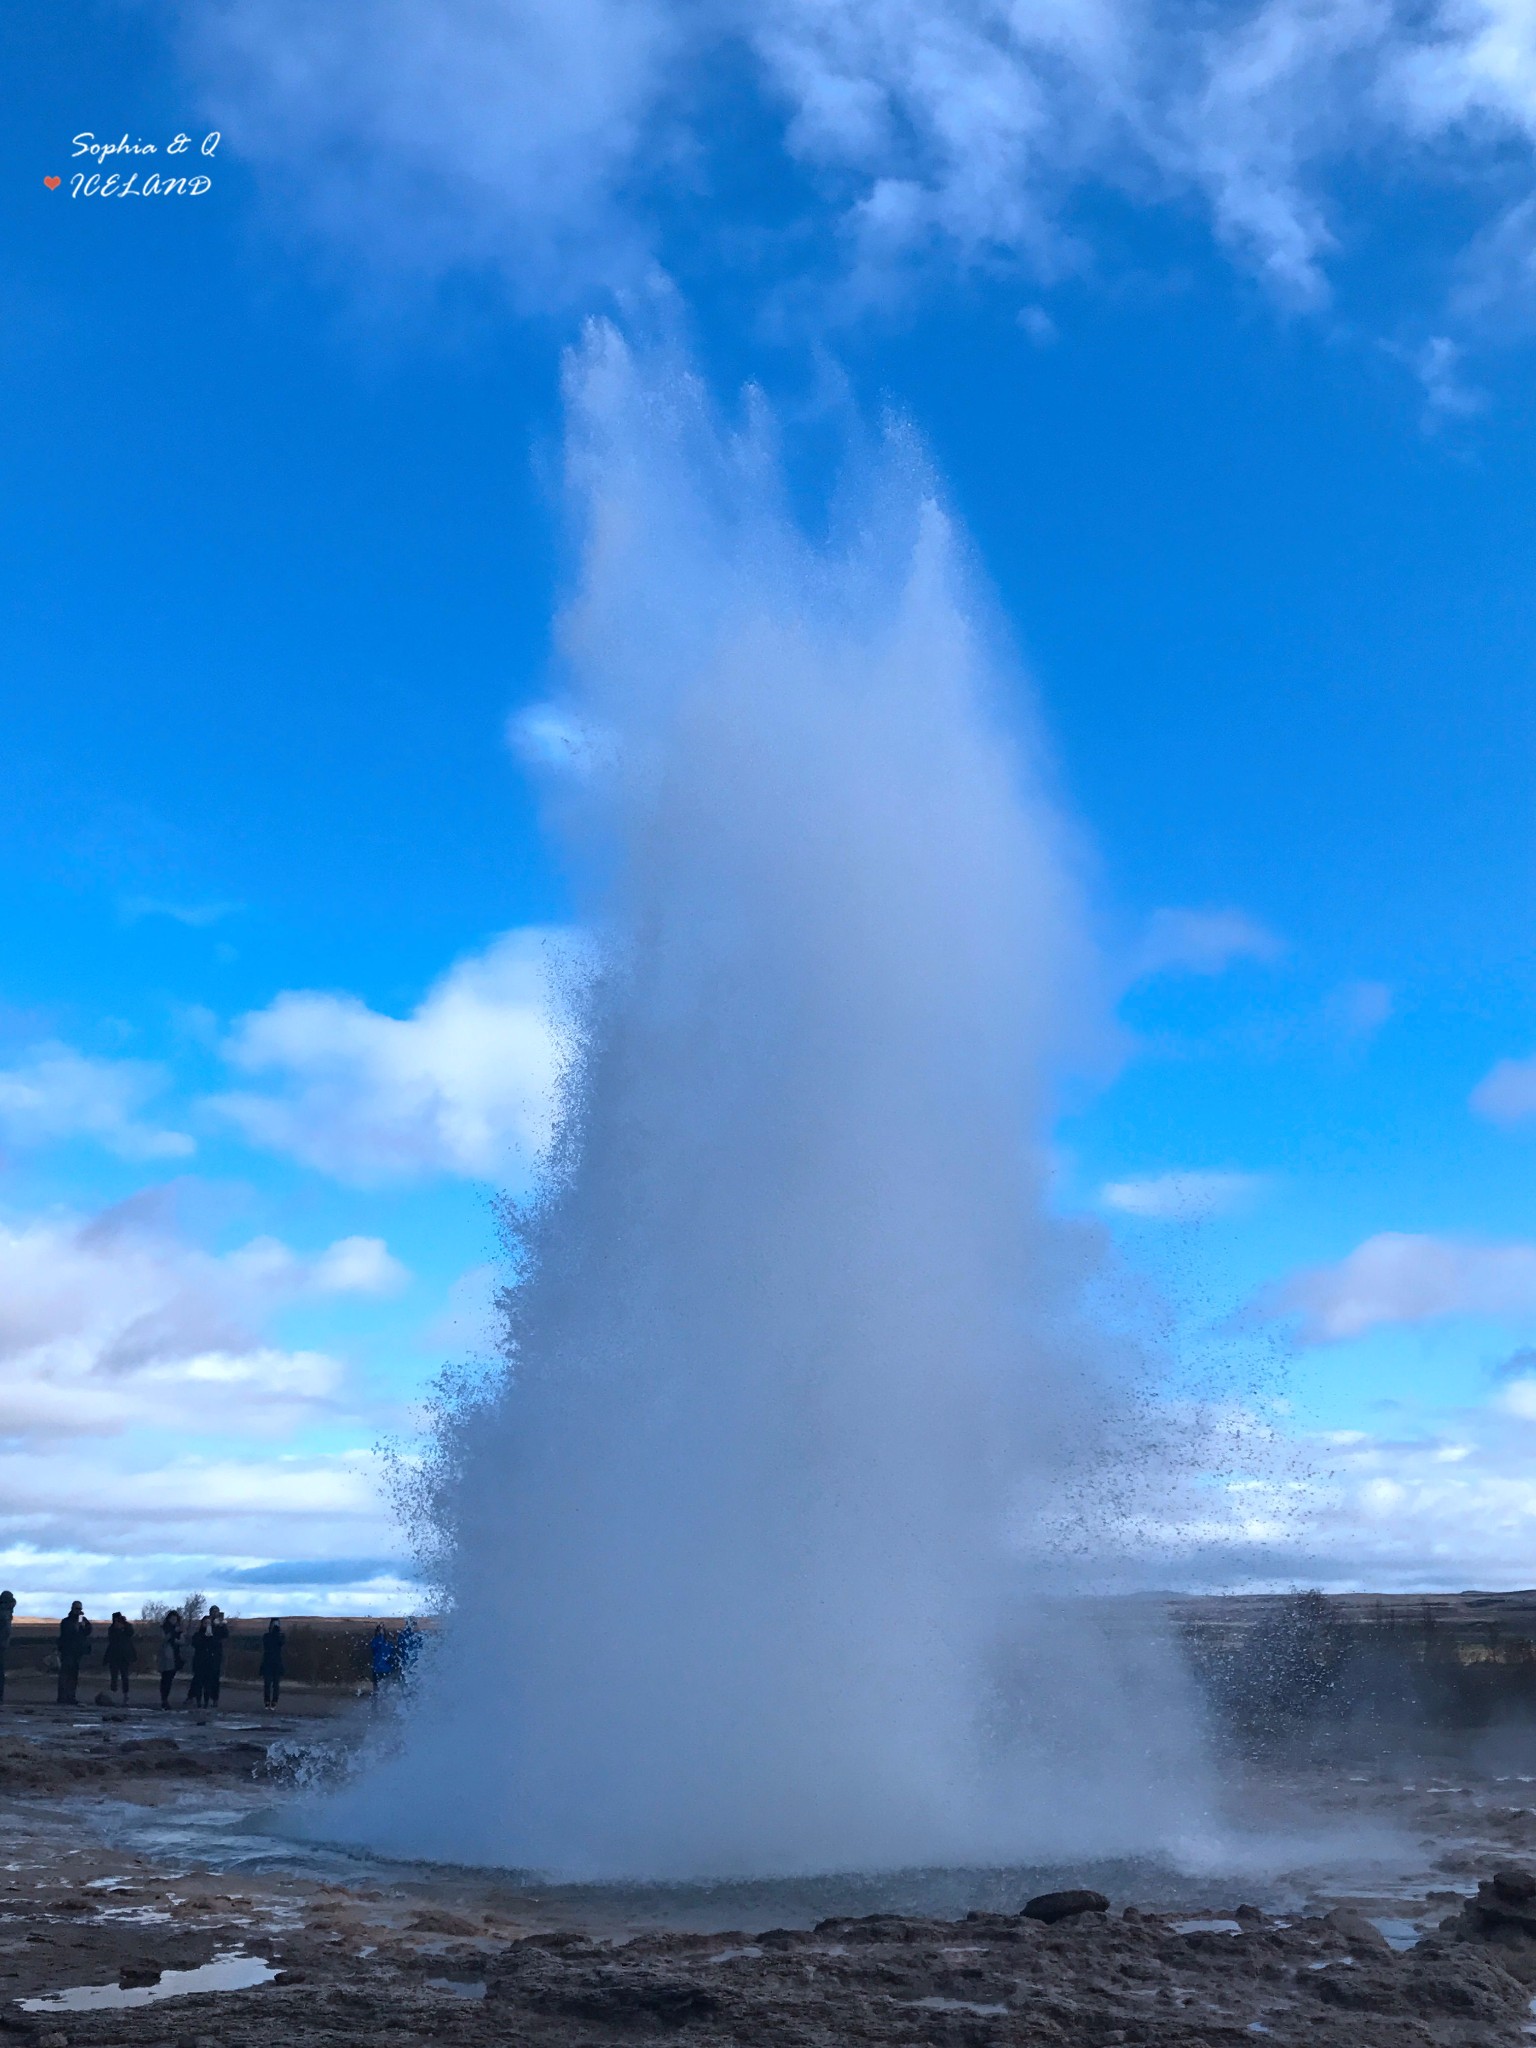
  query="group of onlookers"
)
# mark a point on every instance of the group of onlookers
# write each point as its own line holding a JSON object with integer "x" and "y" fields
{"x": 205, "y": 1648}
{"x": 202, "y": 1643}
{"x": 198, "y": 1642}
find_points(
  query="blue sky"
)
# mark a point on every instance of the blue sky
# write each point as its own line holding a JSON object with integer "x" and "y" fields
{"x": 1218, "y": 334}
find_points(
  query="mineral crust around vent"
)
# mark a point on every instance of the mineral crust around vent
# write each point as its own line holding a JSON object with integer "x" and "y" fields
{"x": 393, "y": 1957}
{"x": 367, "y": 1975}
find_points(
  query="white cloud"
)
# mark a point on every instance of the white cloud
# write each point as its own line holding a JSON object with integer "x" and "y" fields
{"x": 547, "y": 139}
{"x": 272, "y": 1530}
{"x": 1203, "y": 942}
{"x": 1437, "y": 1498}
{"x": 1518, "y": 1398}
{"x": 197, "y": 916}
{"x": 455, "y": 132}
{"x": 1396, "y": 1277}
{"x": 113, "y": 1322}
{"x": 1182, "y": 1197}
{"x": 464, "y": 1084}
{"x": 1438, "y": 365}
{"x": 55, "y": 1093}
{"x": 356, "y": 1265}
{"x": 1495, "y": 288}
{"x": 1448, "y": 1504}
{"x": 1507, "y": 1093}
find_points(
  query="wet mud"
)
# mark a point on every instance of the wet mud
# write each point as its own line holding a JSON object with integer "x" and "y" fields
{"x": 144, "y": 1899}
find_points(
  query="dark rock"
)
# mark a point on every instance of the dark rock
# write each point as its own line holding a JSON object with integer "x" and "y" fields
{"x": 433, "y": 1921}
{"x": 673, "y": 2002}
{"x": 1503, "y": 1909}
{"x": 1053, "y": 1906}
{"x": 875, "y": 1927}
{"x": 1462, "y": 1981}
{"x": 136, "y": 1974}
{"x": 1363, "y": 1936}
{"x": 1356, "y": 1990}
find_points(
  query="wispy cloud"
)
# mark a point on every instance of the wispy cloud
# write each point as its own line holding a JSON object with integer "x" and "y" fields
{"x": 55, "y": 1093}
{"x": 1202, "y": 942}
{"x": 1507, "y": 1093}
{"x": 195, "y": 915}
{"x": 1182, "y": 1197}
{"x": 1399, "y": 1277}
{"x": 454, "y": 132}
{"x": 549, "y": 139}
{"x": 1439, "y": 365}
{"x": 463, "y": 1085}
{"x": 1357, "y": 1010}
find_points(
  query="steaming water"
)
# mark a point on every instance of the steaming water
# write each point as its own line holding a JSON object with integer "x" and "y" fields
{"x": 759, "y": 1552}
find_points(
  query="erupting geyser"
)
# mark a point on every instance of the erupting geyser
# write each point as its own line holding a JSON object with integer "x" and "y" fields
{"x": 759, "y": 1554}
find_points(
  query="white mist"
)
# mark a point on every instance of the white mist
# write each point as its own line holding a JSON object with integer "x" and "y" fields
{"x": 756, "y": 1555}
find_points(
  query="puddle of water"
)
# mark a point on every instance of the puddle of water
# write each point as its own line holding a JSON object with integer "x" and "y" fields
{"x": 224, "y": 1973}
{"x": 1207, "y": 1927}
{"x": 1402, "y": 1934}
{"x": 458, "y": 1987}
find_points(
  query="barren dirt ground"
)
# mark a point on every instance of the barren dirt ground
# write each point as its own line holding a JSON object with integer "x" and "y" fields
{"x": 128, "y": 1862}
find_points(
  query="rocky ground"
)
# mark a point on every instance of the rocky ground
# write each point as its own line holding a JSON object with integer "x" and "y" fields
{"x": 106, "y": 1894}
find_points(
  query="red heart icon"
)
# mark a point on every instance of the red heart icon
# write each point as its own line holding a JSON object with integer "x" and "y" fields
{"x": 53, "y": 184}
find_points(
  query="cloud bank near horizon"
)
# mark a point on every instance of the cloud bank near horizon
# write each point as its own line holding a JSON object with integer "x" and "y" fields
{"x": 153, "y": 1434}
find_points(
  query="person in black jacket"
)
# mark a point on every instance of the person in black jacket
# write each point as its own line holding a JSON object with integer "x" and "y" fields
{"x": 202, "y": 1653}
{"x": 122, "y": 1653}
{"x": 74, "y": 1643}
{"x": 218, "y": 1636}
{"x": 169, "y": 1658}
{"x": 271, "y": 1663}
{"x": 7, "y": 1613}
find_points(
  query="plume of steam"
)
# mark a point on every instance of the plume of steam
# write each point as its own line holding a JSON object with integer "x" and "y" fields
{"x": 753, "y": 1552}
